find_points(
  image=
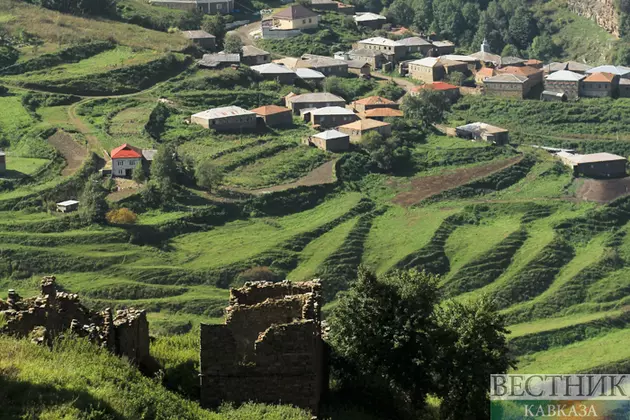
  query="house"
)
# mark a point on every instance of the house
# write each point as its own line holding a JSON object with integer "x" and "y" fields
{"x": 211, "y": 7}
{"x": 273, "y": 71}
{"x": 253, "y": 56}
{"x": 310, "y": 75}
{"x": 483, "y": 74}
{"x": 201, "y": 38}
{"x": 443, "y": 47}
{"x": 471, "y": 62}
{"x": 600, "y": 85}
{"x": 356, "y": 130}
{"x": 534, "y": 75}
{"x": 219, "y": 60}
{"x": 622, "y": 72}
{"x": 572, "y": 66}
{"x": 381, "y": 113}
{"x": 125, "y": 159}
{"x": 327, "y": 65}
{"x": 507, "y": 85}
{"x": 597, "y": 165}
{"x": 274, "y": 115}
{"x": 373, "y": 102}
{"x": 345, "y": 9}
{"x": 416, "y": 45}
{"x": 431, "y": 69}
{"x": 483, "y": 131}
{"x": 227, "y": 118}
{"x": 331, "y": 141}
{"x": 370, "y": 20}
{"x": 450, "y": 91}
{"x": 387, "y": 46}
{"x": 532, "y": 62}
{"x": 3, "y": 162}
{"x": 312, "y": 100}
{"x": 485, "y": 57}
{"x": 512, "y": 61}
{"x": 624, "y": 88}
{"x": 67, "y": 206}
{"x": 359, "y": 67}
{"x": 332, "y": 116}
{"x": 565, "y": 81}
{"x": 295, "y": 17}
{"x": 549, "y": 96}
{"x": 374, "y": 58}
{"x": 328, "y": 5}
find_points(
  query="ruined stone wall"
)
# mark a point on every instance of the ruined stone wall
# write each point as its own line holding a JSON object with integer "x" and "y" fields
{"x": 604, "y": 12}
{"x": 53, "y": 313}
{"x": 269, "y": 349}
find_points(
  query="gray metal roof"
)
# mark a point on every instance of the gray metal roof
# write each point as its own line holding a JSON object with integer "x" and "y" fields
{"x": 223, "y": 112}
{"x": 272, "y": 68}
{"x": 251, "y": 51}
{"x": 414, "y": 41}
{"x": 565, "y": 76}
{"x": 197, "y": 34}
{"x": 618, "y": 70}
{"x": 316, "y": 97}
{"x": 330, "y": 135}
{"x": 309, "y": 74}
{"x": 213, "y": 60}
{"x": 506, "y": 78}
{"x": 333, "y": 110}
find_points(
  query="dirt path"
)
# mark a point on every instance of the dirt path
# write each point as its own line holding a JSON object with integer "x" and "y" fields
{"x": 403, "y": 83}
{"x": 323, "y": 174}
{"x": 425, "y": 187}
{"x": 84, "y": 129}
{"x": 244, "y": 31}
{"x": 72, "y": 152}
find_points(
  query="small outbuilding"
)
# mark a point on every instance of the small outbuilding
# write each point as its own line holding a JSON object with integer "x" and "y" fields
{"x": 253, "y": 56}
{"x": 274, "y": 115}
{"x": 331, "y": 141}
{"x": 483, "y": 131}
{"x": 202, "y": 38}
{"x": 596, "y": 165}
{"x": 219, "y": 60}
{"x": 381, "y": 113}
{"x": 358, "y": 129}
{"x": 278, "y": 72}
{"x": 67, "y": 206}
{"x": 549, "y": 96}
{"x": 332, "y": 116}
{"x": 227, "y": 118}
{"x": 310, "y": 75}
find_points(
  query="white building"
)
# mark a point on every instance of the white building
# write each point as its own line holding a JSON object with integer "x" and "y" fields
{"x": 125, "y": 159}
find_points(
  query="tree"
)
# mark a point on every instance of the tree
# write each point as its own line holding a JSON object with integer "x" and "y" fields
{"x": 543, "y": 48}
{"x": 428, "y": 107}
{"x": 522, "y": 28}
{"x": 389, "y": 90}
{"x": 92, "y": 204}
{"x": 622, "y": 54}
{"x": 208, "y": 175}
{"x": 233, "y": 44}
{"x": 384, "y": 329}
{"x": 215, "y": 25}
{"x": 155, "y": 126}
{"x": 471, "y": 345}
{"x": 457, "y": 78}
{"x": 164, "y": 171}
{"x": 138, "y": 175}
{"x": 121, "y": 216}
{"x": 510, "y": 51}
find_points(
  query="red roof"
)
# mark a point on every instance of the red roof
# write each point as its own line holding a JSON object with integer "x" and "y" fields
{"x": 126, "y": 151}
{"x": 601, "y": 77}
{"x": 435, "y": 86}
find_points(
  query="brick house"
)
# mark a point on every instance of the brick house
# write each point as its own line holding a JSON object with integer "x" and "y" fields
{"x": 372, "y": 102}
{"x": 507, "y": 85}
{"x": 600, "y": 85}
{"x": 277, "y": 72}
{"x": 384, "y": 45}
{"x": 125, "y": 159}
{"x": 227, "y": 118}
{"x": 330, "y": 141}
{"x": 431, "y": 69}
{"x": 295, "y": 17}
{"x": 201, "y": 38}
{"x": 356, "y": 130}
{"x": 332, "y": 116}
{"x": 565, "y": 81}
{"x": 274, "y": 115}
{"x": 312, "y": 100}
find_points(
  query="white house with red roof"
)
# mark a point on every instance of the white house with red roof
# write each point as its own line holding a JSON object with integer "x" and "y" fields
{"x": 125, "y": 159}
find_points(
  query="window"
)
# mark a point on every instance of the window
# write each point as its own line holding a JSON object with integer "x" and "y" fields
{"x": 120, "y": 162}
{"x": 309, "y": 20}
{"x": 303, "y": 20}
{"x": 219, "y": 6}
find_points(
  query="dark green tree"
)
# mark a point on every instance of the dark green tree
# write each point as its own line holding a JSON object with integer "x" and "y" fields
{"x": 543, "y": 48}
{"x": 164, "y": 171}
{"x": 233, "y": 44}
{"x": 208, "y": 175}
{"x": 92, "y": 203}
{"x": 522, "y": 28}
{"x": 215, "y": 25}
{"x": 155, "y": 126}
{"x": 428, "y": 107}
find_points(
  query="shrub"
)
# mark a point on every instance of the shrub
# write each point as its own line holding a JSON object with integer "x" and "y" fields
{"x": 122, "y": 216}
{"x": 257, "y": 274}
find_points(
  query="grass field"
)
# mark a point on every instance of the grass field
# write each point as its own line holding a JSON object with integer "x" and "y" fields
{"x": 24, "y": 165}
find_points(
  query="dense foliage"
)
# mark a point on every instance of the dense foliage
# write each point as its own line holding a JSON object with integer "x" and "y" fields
{"x": 89, "y": 7}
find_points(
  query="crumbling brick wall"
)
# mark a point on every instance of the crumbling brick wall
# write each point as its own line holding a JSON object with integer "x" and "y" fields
{"x": 55, "y": 312}
{"x": 269, "y": 349}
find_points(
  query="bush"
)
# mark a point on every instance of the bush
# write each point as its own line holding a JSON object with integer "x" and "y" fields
{"x": 122, "y": 216}
{"x": 257, "y": 274}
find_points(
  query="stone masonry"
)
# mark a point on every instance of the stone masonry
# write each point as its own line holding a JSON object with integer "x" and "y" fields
{"x": 269, "y": 349}
{"x": 54, "y": 312}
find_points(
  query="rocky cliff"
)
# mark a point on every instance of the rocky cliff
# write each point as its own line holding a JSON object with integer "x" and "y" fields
{"x": 604, "y": 12}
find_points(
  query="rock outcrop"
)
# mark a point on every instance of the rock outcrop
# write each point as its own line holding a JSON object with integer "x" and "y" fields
{"x": 604, "y": 12}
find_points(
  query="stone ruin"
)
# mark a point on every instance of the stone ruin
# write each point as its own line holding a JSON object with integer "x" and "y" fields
{"x": 53, "y": 313}
{"x": 270, "y": 348}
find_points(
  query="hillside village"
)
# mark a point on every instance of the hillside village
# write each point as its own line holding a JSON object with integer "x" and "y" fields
{"x": 252, "y": 210}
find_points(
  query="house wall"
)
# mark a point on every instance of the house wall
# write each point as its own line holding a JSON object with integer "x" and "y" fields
{"x": 306, "y": 23}
{"x": 602, "y": 169}
{"x": 507, "y": 90}
{"x": 398, "y": 52}
{"x": 444, "y": 50}
{"x": 120, "y": 166}
{"x": 336, "y": 70}
{"x": 235, "y": 122}
{"x": 330, "y": 121}
{"x": 217, "y": 8}
{"x": 373, "y": 24}
{"x": 624, "y": 91}
{"x": 357, "y": 135}
{"x": 572, "y": 89}
{"x": 363, "y": 107}
{"x": 462, "y": 68}
{"x": 3, "y": 164}
{"x": 597, "y": 90}
{"x": 279, "y": 119}
{"x": 282, "y": 78}
{"x": 426, "y": 74}
{"x": 269, "y": 32}
{"x": 254, "y": 60}
{"x": 334, "y": 145}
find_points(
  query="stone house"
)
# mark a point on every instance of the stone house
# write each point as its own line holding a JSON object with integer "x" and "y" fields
{"x": 327, "y": 65}
{"x": 201, "y": 38}
{"x": 330, "y": 141}
{"x": 624, "y": 88}
{"x": 431, "y": 69}
{"x": 508, "y": 86}
{"x": 443, "y": 48}
{"x": 384, "y": 45}
{"x": 373, "y": 102}
{"x": 269, "y": 350}
{"x": 327, "y": 5}
{"x": 274, "y": 115}
{"x": 370, "y": 20}
{"x": 332, "y": 116}
{"x": 373, "y": 57}
{"x": 312, "y": 100}
{"x": 483, "y": 131}
{"x": 277, "y": 72}
{"x": 227, "y": 118}
{"x": 483, "y": 74}
{"x": 450, "y": 91}
{"x": 596, "y": 165}
{"x": 565, "y": 81}
{"x": 125, "y": 159}
{"x": 600, "y": 85}
{"x": 211, "y": 7}
{"x": 360, "y": 67}
{"x": 416, "y": 45}
{"x": 380, "y": 114}
{"x": 219, "y": 60}
{"x": 253, "y": 56}
{"x": 295, "y": 17}
{"x": 572, "y": 66}
{"x": 534, "y": 75}
{"x": 356, "y": 130}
